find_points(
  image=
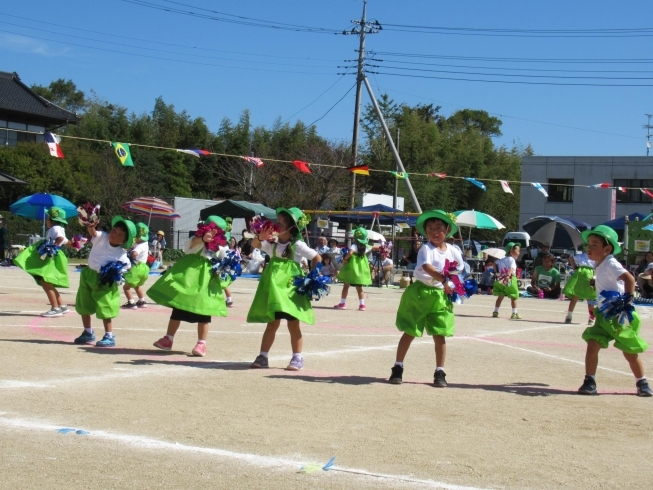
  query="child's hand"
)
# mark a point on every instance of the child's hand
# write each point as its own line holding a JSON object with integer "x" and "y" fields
{"x": 92, "y": 225}
{"x": 208, "y": 236}
{"x": 266, "y": 232}
{"x": 447, "y": 287}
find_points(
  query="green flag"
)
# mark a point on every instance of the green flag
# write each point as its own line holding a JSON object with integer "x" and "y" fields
{"x": 400, "y": 175}
{"x": 123, "y": 153}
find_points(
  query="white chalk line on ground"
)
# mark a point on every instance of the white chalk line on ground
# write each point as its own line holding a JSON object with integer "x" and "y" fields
{"x": 582, "y": 363}
{"x": 256, "y": 460}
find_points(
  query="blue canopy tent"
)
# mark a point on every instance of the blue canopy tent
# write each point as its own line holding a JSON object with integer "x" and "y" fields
{"x": 620, "y": 223}
{"x": 400, "y": 217}
{"x": 581, "y": 225}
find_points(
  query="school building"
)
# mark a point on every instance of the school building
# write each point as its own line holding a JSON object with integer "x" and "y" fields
{"x": 594, "y": 206}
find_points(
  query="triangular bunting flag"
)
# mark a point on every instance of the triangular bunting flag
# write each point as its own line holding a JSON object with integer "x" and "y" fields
{"x": 506, "y": 188}
{"x": 360, "y": 170}
{"x": 256, "y": 161}
{"x": 540, "y": 188}
{"x": 53, "y": 141}
{"x": 436, "y": 174}
{"x": 647, "y": 192}
{"x": 621, "y": 189}
{"x": 603, "y": 185}
{"x": 302, "y": 166}
{"x": 478, "y": 184}
{"x": 123, "y": 153}
{"x": 400, "y": 175}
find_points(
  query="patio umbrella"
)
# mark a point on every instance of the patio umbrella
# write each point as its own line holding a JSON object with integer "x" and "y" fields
{"x": 34, "y": 206}
{"x": 554, "y": 231}
{"x": 497, "y": 253}
{"x": 476, "y": 219}
{"x": 581, "y": 225}
{"x": 152, "y": 208}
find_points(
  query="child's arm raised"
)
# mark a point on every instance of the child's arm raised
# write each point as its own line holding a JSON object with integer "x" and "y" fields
{"x": 266, "y": 232}
{"x": 91, "y": 230}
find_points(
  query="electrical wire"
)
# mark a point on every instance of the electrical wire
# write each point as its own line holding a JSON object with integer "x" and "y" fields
{"x": 533, "y": 33}
{"x": 338, "y": 102}
{"x": 316, "y": 99}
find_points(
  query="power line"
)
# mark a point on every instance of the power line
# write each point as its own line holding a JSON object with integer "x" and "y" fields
{"x": 516, "y": 60}
{"x": 338, "y": 102}
{"x": 316, "y": 99}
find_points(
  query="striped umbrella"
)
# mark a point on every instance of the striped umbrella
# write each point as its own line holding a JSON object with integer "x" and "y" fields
{"x": 152, "y": 208}
{"x": 476, "y": 219}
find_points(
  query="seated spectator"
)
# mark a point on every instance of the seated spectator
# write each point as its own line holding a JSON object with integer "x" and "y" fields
{"x": 322, "y": 247}
{"x": 245, "y": 245}
{"x": 381, "y": 269}
{"x": 546, "y": 279}
{"x": 157, "y": 246}
{"x": 487, "y": 279}
{"x": 328, "y": 270}
{"x": 539, "y": 260}
{"x": 645, "y": 281}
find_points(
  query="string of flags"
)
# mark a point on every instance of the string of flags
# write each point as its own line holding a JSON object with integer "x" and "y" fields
{"x": 123, "y": 152}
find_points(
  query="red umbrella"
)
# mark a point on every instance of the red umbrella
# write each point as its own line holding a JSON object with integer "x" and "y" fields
{"x": 151, "y": 207}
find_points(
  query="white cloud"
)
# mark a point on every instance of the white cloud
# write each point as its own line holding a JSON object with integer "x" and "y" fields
{"x": 23, "y": 44}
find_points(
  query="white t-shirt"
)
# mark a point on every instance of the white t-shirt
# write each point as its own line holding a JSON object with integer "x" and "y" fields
{"x": 103, "y": 252}
{"x": 430, "y": 254}
{"x": 506, "y": 263}
{"x": 302, "y": 251}
{"x": 354, "y": 249}
{"x": 606, "y": 276}
{"x": 142, "y": 249}
{"x": 56, "y": 232}
{"x": 209, "y": 254}
{"x": 383, "y": 263}
{"x": 582, "y": 260}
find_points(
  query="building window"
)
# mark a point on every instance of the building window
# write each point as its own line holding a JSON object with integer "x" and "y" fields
{"x": 560, "y": 191}
{"x": 633, "y": 195}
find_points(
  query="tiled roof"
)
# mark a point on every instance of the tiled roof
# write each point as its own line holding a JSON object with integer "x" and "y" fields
{"x": 17, "y": 97}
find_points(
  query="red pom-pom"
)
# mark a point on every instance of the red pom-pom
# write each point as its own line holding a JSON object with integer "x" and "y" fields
{"x": 218, "y": 240}
{"x": 89, "y": 214}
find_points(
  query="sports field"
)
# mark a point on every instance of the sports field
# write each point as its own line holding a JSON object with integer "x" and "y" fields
{"x": 510, "y": 417}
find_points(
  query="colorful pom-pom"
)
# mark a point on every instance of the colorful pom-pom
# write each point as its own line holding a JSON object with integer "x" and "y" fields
{"x": 78, "y": 242}
{"x": 313, "y": 285}
{"x": 88, "y": 214}
{"x": 260, "y": 222}
{"x": 48, "y": 249}
{"x": 218, "y": 240}
{"x": 112, "y": 273}
{"x": 615, "y": 305}
{"x": 229, "y": 266}
{"x": 504, "y": 276}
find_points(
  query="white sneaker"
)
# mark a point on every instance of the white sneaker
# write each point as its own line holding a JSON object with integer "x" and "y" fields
{"x": 64, "y": 309}
{"x": 52, "y": 312}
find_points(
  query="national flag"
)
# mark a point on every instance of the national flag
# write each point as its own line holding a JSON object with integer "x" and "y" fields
{"x": 647, "y": 192}
{"x": 53, "y": 141}
{"x": 256, "y": 161}
{"x": 302, "y": 166}
{"x": 400, "y": 175}
{"x": 360, "y": 170}
{"x": 603, "y": 185}
{"x": 540, "y": 188}
{"x": 478, "y": 184}
{"x": 506, "y": 188}
{"x": 195, "y": 152}
{"x": 436, "y": 174}
{"x": 621, "y": 189}
{"x": 123, "y": 153}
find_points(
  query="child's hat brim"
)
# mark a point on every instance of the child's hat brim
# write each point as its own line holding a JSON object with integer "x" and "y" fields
{"x": 131, "y": 230}
{"x": 448, "y": 218}
{"x": 605, "y": 232}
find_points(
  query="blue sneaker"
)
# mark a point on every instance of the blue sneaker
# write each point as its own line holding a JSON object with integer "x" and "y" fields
{"x": 85, "y": 338}
{"x": 106, "y": 341}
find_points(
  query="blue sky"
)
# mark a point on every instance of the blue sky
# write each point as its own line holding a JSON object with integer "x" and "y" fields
{"x": 275, "y": 73}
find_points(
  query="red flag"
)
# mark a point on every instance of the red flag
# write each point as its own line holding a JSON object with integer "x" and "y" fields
{"x": 436, "y": 174}
{"x": 360, "y": 169}
{"x": 647, "y": 192}
{"x": 621, "y": 189}
{"x": 302, "y": 166}
{"x": 603, "y": 185}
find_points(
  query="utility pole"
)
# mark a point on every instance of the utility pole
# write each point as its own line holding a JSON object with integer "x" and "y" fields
{"x": 363, "y": 27}
{"x": 648, "y": 128}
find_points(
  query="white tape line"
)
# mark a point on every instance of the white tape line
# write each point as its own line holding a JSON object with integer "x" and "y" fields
{"x": 256, "y": 460}
{"x": 543, "y": 354}
{"x": 543, "y": 327}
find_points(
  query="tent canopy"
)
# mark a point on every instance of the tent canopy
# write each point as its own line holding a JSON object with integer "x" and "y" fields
{"x": 368, "y": 218}
{"x": 238, "y": 209}
{"x": 620, "y": 223}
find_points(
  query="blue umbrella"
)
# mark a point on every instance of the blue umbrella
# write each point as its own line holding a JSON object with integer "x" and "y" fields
{"x": 34, "y": 206}
{"x": 581, "y": 225}
{"x": 554, "y": 231}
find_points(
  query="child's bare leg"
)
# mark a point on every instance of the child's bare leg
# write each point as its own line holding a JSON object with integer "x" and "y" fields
{"x": 86, "y": 321}
{"x": 202, "y": 331}
{"x": 513, "y": 303}
{"x": 361, "y": 294}
{"x": 345, "y": 290}
{"x": 296, "y": 339}
{"x": 404, "y": 345}
{"x": 592, "y": 357}
{"x": 108, "y": 326}
{"x": 140, "y": 293}
{"x": 51, "y": 293}
{"x": 173, "y": 326}
{"x": 269, "y": 334}
{"x": 636, "y": 364}
{"x": 128, "y": 294}
{"x": 572, "y": 304}
{"x": 440, "y": 350}
{"x": 498, "y": 302}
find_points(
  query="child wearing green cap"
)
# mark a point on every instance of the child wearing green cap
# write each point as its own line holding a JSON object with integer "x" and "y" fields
{"x": 611, "y": 276}
{"x": 276, "y": 297}
{"x": 94, "y": 298}
{"x": 506, "y": 282}
{"x": 140, "y": 271}
{"x": 191, "y": 288}
{"x": 49, "y": 272}
{"x": 425, "y": 304}
{"x": 355, "y": 270}
{"x": 579, "y": 285}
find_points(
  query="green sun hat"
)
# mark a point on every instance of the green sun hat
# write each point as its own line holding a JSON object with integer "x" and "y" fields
{"x": 448, "y": 218}
{"x": 57, "y": 214}
{"x": 509, "y": 246}
{"x": 300, "y": 219}
{"x": 605, "y": 232}
{"x": 219, "y": 222}
{"x": 360, "y": 235}
{"x": 143, "y": 232}
{"x": 131, "y": 230}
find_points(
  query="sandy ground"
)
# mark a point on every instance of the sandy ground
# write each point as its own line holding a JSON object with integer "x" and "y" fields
{"x": 509, "y": 419}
